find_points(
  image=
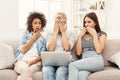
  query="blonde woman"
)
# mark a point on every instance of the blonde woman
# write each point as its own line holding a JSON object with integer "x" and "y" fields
{"x": 59, "y": 40}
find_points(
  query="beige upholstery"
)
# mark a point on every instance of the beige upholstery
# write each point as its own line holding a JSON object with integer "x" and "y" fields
{"x": 109, "y": 73}
{"x": 8, "y": 74}
{"x": 112, "y": 46}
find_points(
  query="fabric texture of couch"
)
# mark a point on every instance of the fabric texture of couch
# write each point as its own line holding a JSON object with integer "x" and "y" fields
{"x": 110, "y": 72}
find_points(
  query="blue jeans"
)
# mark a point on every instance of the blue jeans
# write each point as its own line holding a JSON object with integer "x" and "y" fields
{"x": 90, "y": 62}
{"x": 54, "y": 73}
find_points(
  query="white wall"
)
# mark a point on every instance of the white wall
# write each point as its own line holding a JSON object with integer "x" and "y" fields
{"x": 8, "y": 18}
{"x": 67, "y": 9}
{"x": 112, "y": 18}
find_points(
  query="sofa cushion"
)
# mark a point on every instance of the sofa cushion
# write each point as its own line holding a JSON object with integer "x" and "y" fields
{"x": 6, "y": 56}
{"x": 14, "y": 42}
{"x": 8, "y": 74}
{"x": 115, "y": 59}
{"x": 112, "y": 47}
{"x": 109, "y": 73}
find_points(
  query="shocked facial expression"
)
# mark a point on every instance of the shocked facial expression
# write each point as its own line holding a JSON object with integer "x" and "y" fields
{"x": 89, "y": 23}
{"x": 36, "y": 25}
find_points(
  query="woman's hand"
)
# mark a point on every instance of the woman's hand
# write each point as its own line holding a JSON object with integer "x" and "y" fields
{"x": 63, "y": 28}
{"x": 82, "y": 32}
{"x": 92, "y": 31}
{"x": 56, "y": 28}
{"x": 36, "y": 35}
{"x": 30, "y": 62}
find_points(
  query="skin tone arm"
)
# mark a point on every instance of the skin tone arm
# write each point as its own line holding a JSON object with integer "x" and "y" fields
{"x": 78, "y": 46}
{"x": 98, "y": 43}
{"x": 31, "y": 41}
{"x": 52, "y": 42}
{"x": 65, "y": 41}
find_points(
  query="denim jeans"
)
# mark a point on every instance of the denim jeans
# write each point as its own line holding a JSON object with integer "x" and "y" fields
{"x": 54, "y": 73}
{"x": 90, "y": 62}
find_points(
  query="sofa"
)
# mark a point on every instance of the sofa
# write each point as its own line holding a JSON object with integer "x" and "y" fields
{"x": 110, "y": 71}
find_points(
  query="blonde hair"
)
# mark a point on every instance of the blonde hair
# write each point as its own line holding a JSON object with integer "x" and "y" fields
{"x": 61, "y": 16}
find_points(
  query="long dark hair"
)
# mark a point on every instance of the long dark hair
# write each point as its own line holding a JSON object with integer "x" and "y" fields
{"x": 33, "y": 16}
{"x": 93, "y": 16}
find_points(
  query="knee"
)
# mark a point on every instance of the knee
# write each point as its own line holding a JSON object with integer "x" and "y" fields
{"x": 21, "y": 69}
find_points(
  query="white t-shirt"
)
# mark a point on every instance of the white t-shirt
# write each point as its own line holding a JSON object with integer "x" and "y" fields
{"x": 59, "y": 46}
{"x": 31, "y": 54}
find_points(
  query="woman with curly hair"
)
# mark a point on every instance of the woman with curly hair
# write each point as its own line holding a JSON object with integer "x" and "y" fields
{"x": 32, "y": 43}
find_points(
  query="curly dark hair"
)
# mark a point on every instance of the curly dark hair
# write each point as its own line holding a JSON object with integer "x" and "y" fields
{"x": 33, "y": 16}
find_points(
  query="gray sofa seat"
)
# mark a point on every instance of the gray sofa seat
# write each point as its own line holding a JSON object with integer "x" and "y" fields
{"x": 109, "y": 73}
{"x": 8, "y": 74}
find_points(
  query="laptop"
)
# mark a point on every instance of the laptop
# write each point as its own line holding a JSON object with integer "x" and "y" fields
{"x": 56, "y": 58}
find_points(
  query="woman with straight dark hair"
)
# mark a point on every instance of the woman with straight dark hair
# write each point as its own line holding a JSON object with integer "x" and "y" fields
{"x": 90, "y": 44}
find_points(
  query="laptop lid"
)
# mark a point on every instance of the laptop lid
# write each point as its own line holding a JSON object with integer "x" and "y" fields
{"x": 56, "y": 58}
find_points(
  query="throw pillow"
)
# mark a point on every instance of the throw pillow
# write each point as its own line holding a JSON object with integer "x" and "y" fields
{"x": 115, "y": 59}
{"x": 6, "y": 56}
